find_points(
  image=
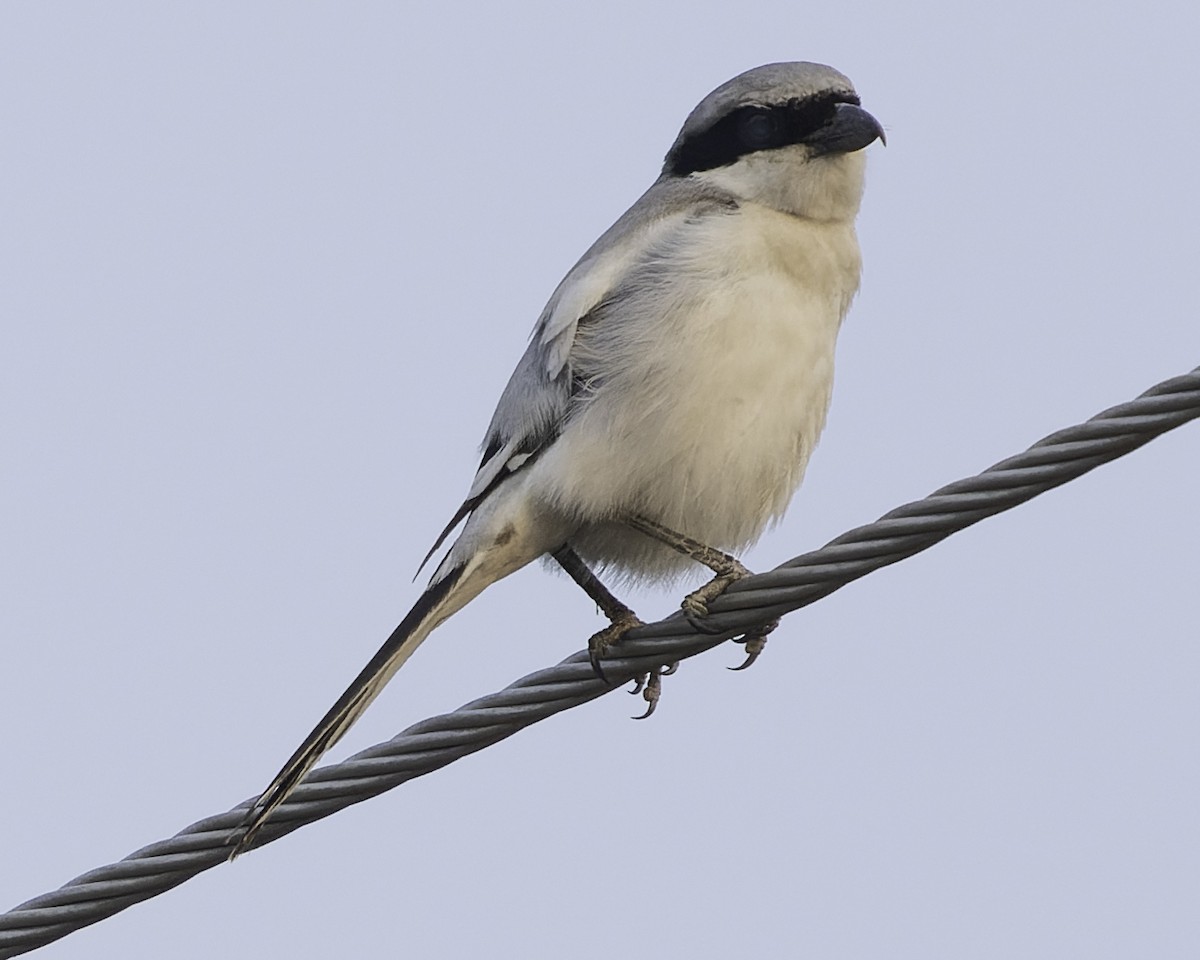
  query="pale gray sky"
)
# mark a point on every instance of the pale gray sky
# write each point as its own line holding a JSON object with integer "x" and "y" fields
{"x": 264, "y": 269}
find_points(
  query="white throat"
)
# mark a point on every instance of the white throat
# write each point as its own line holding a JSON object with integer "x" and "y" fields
{"x": 826, "y": 189}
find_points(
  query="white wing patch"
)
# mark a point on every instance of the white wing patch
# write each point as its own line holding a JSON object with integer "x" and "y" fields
{"x": 489, "y": 471}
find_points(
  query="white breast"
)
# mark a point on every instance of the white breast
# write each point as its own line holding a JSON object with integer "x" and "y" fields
{"x": 716, "y": 391}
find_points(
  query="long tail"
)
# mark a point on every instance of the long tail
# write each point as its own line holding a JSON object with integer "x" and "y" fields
{"x": 443, "y": 597}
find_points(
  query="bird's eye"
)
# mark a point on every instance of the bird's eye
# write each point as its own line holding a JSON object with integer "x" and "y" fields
{"x": 758, "y": 130}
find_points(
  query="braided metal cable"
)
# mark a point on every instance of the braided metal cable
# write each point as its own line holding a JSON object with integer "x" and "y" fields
{"x": 436, "y": 742}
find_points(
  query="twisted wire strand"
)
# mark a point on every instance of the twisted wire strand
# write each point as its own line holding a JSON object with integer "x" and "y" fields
{"x": 438, "y": 741}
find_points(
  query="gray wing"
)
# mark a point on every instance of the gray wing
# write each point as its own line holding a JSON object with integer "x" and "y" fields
{"x": 543, "y": 389}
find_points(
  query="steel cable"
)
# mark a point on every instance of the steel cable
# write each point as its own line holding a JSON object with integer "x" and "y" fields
{"x": 438, "y": 741}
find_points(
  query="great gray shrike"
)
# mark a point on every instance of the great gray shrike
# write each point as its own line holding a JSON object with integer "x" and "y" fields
{"x": 676, "y": 382}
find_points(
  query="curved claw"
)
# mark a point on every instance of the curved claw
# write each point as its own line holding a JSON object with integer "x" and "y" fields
{"x": 751, "y": 656}
{"x": 597, "y": 668}
{"x": 649, "y": 710}
{"x": 652, "y": 689}
{"x": 641, "y": 683}
{"x": 600, "y": 643}
{"x": 755, "y": 642}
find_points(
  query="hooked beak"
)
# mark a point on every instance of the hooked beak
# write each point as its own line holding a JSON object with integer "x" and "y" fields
{"x": 851, "y": 128}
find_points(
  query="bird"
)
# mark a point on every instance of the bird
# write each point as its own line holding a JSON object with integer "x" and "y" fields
{"x": 673, "y": 387}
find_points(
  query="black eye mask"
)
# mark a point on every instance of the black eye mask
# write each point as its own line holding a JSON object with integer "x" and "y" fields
{"x": 752, "y": 129}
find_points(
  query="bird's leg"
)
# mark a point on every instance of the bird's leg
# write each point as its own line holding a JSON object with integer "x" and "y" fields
{"x": 623, "y": 619}
{"x": 695, "y": 604}
{"x": 727, "y": 568}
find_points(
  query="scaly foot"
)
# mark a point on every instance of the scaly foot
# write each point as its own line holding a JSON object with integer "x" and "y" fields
{"x": 650, "y": 687}
{"x": 755, "y": 642}
{"x": 601, "y": 642}
{"x": 695, "y": 604}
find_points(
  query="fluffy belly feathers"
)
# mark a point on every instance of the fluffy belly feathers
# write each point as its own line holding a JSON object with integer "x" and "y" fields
{"x": 731, "y": 384}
